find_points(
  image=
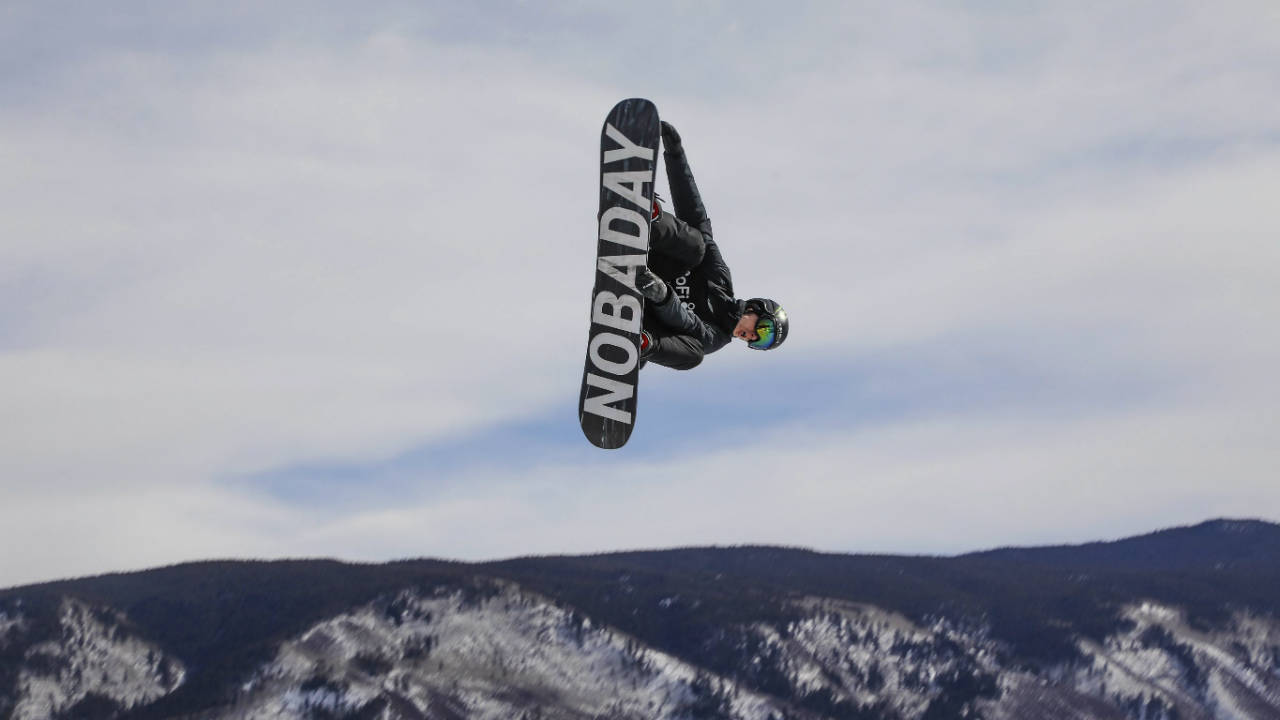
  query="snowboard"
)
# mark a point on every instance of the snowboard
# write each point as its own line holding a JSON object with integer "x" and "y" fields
{"x": 628, "y": 163}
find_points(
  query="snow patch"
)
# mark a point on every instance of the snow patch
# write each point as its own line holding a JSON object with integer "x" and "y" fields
{"x": 858, "y": 656}
{"x": 95, "y": 654}
{"x": 488, "y": 655}
{"x": 10, "y": 622}
{"x": 1161, "y": 658}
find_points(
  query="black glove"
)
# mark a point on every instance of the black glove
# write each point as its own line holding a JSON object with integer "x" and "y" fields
{"x": 670, "y": 138}
{"x": 652, "y": 287}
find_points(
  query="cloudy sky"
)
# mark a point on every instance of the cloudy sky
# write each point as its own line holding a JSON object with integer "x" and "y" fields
{"x": 313, "y": 279}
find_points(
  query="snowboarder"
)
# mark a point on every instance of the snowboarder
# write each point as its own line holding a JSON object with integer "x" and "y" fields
{"x": 691, "y": 310}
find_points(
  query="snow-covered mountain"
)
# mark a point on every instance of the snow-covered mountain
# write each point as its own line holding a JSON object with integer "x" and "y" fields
{"x": 1177, "y": 624}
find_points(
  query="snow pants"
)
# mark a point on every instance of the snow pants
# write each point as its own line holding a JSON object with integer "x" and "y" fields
{"x": 675, "y": 247}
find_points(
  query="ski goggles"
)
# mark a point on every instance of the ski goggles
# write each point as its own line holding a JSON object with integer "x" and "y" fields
{"x": 766, "y": 334}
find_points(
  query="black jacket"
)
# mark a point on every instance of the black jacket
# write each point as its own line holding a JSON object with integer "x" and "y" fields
{"x": 699, "y": 316}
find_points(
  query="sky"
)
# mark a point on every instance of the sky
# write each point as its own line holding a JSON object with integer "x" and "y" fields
{"x": 312, "y": 279}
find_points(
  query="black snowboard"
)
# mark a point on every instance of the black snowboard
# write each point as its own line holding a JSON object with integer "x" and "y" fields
{"x": 628, "y": 162}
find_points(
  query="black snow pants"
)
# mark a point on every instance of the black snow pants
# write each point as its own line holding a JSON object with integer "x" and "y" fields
{"x": 675, "y": 247}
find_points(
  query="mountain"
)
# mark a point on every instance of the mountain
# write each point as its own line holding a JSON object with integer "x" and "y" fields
{"x": 1208, "y": 546}
{"x": 1182, "y": 623}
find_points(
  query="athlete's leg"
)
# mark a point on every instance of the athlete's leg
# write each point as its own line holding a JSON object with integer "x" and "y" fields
{"x": 677, "y": 240}
{"x": 678, "y": 352}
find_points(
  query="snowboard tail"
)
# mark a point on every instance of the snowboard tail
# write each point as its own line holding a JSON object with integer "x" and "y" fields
{"x": 628, "y": 165}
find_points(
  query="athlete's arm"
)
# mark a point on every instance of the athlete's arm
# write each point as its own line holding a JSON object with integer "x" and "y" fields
{"x": 684, "y": 191}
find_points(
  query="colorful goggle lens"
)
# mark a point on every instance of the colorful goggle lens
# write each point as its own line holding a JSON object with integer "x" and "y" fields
{"x": 764, "y": 335}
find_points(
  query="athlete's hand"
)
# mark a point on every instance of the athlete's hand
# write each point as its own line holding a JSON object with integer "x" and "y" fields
{"x": 651, "y": 286}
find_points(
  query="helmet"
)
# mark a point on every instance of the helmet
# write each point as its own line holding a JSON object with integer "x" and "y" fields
{"x": 771, "y": 328}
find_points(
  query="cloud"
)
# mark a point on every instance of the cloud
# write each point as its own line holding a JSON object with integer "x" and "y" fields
{"x": 931, "y": 485}
{"x": 253, "y": 268}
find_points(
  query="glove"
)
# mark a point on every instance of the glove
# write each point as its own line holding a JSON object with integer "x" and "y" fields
{"x": 670, "y": 138}
{"x": 652, "y": 287}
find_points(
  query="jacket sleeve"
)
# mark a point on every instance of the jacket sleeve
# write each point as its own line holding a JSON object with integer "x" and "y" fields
{"x": 684, "y": 191}
{"x": 679, "y": 319}
{"x": 719, "y": 280}
{"x": 689, "y": 208}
